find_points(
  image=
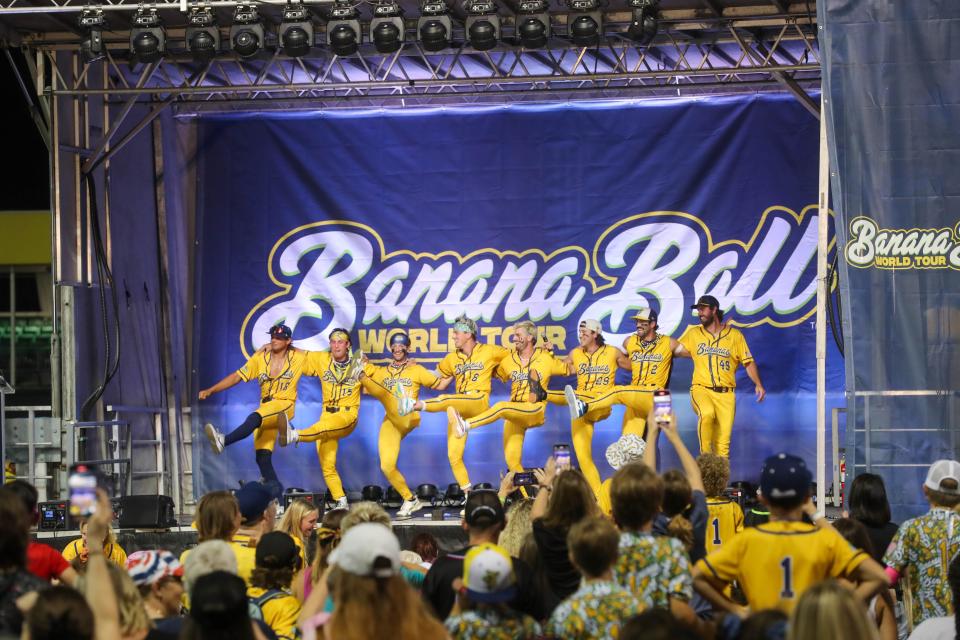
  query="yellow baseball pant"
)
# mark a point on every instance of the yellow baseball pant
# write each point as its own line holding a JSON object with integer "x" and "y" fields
{"x": 265, "y": 436}
{"x": 326, "y": 432}
{"x": 393, "y": 429}
{"x": 715, "y": 412}
{"x": 517, "y": 418}
{"x": 467, "y": 405}
{"x": 581, "y": 433}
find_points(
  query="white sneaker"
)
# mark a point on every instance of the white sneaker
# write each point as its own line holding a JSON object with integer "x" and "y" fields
{"x": 577, "y": 406}
{"x": 356, "y": 365}
{"x": 286, "y": 434}
{"x": 405, "y": 405}
{"x": 408, "y": 507}
{"x": 215, "y": 438}
{"x": 458, "y": 422}
{"x": 341, "y": 503}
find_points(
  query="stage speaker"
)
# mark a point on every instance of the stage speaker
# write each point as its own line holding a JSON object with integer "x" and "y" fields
{"x": 147, "y": 512}
{"x": 316, "y": 499}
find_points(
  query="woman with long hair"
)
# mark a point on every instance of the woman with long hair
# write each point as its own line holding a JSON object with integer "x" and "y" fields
{"x": 519, "y": 526}
{"x": 328, "y": 537}
{"x": 829, "y": 610}
{"x": 299, "y": 520}
{"x": 564, "y": 499}
{"x": 218, "y": 518}
{"x": 370, "y": 598}
{"x": 76, "y": 550}
{"x": 880, "y": 608}
{"x": 869, "y": 505}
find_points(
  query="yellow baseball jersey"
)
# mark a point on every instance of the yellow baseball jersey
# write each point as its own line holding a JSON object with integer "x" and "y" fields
{"x": 724, "y": 520}
{"x": 595, "y": 371}
{"x": 283, "y": 386}
{"x": 410, "y": 377}
{"x": 650, "y": 361}
{"x": 776, "y": 562}
{"x": 512, "y": 370}
{"x": 337, "y": 389}
{"x": 715, "y": 359}
{"x": 472, "y": 372}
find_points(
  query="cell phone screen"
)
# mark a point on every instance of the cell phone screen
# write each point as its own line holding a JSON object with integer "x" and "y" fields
{"x": 83, "y": 491}
{"x": 524, "y": 478}
{"x": 561, "y": 453}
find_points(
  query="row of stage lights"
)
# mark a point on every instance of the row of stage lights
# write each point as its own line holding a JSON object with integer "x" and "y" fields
{"x": 295, "y": 34}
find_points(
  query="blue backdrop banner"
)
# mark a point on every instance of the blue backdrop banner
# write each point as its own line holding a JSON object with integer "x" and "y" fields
{"x": 378, "y": 221}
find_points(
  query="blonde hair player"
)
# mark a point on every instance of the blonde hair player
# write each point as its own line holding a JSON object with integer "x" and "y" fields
{"x": 397, "y": 386}
{"x": 529, "y": 368}
{"x": 471, "y": 365}
{"x": 717, "y": 351}
{"x": 595, "y": 364}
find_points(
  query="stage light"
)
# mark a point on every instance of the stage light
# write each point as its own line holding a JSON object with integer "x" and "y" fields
{"x": 644, "y": 25}
{"x": 483, "y": 24}
{"x": 343, "y": 29}
{"x": 246, "y": 32}
{"x": 386, "y": 28}
{"x": 91, "y": 22}
{"x": 533, "y": 23}
{"x": 296, "y": 30}
{"x": 148, "y": 42}
{"x": 202, "y": 34}
{"x": 434, "y": 26}
{"x": 585, "y": 23}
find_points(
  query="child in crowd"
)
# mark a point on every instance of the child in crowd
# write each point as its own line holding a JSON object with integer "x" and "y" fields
{"x": 881, "y": 608}
{"x": 76, "y": 550}
{"x": 482, "y": 609}
{"x": 43, "y": 561}
{"x": 776, "y": 562}
{"x": 328, "y": 537}
{"x": 724, "y": 516}
{"x": 278, "y": 559}
{"x": 218, "y": 518}
{"x": 600, "y": 606}
{"x": 298, "y": 521}
{"x": 923, "y": 547}
{"x": 628, "y": 448}
{"x": 827, "y": 610}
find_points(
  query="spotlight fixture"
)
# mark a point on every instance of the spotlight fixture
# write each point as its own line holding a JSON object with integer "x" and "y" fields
{"x": 533, "y": 23}
{"x": 386, "y": 28}
{"x": 644, "y": 24}
{"x": 296, "y": 30}
{"x": 585, "y": 23}
{"x": 202, "y": 34}
{"x": 483, "y": 24}
{"x": 434, "y": 26}
{"x": 91, "y": 22}
{"x": 246, "y": 32}
{"x": 343, "y": 29}
{"x": 148, "y": 42}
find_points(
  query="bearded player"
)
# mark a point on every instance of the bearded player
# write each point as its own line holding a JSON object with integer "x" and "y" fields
{"x": 397, "y": 386}
{"x": 471, "y": 366}
{"x": 277, "y": 369}
{"x": 718, "y": 351}
{"x": 529, "y": 368}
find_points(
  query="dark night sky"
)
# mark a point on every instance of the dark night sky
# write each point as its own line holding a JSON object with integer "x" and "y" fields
{"x": 24, "y": 164}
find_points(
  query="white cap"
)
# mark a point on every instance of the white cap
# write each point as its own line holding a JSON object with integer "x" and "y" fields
{"x": 591, "y": 325}
{"x": 368, "y": 549}
{"x": 629, "y": 448}
{"x": 943, "y": 470}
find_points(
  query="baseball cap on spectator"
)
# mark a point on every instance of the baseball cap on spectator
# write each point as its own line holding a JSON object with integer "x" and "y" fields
{"x": 483, "y": 509}
{"x": 645, "y": 315}
{"x": 367, "y": 549}
{"x": 488, "y": 574}
{"x": 943, "y": 470}
{"x": 253, "y": 498}
{"x": 277, "y": 550}
{"x": 219, "y": 599}
{"x": 591, "y": 325}
{"x": 785, "y": 476}
{"x": 628, "y": 448}
{"x": 281, "y": 331}
{"x": 149, "y": 567}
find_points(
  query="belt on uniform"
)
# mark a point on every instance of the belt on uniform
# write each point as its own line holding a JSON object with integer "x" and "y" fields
{"x": 720, "y": 389}
{"x": 333, "y": 409}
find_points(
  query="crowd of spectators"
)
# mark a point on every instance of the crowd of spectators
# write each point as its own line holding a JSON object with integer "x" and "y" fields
{"x": 652, "y": 555}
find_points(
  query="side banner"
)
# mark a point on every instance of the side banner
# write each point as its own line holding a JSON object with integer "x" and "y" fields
{"x": 402, "y": 221}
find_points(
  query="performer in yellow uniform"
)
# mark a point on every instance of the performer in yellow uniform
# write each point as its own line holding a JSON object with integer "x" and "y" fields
{"x": 277, "y": 369}
{"x": 338, "y": 371}
{"x": 397, "y": 386}
{"x": 595, "y": 364}
{"x": 529, "y": 368}
{"x": 650, "y": 357}
{"x": 717, "y": 352}
{"x": 471, "y": 365}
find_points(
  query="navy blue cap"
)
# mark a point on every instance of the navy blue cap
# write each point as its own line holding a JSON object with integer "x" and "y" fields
{"x": 706, "y": 301}
{"x": 253, "y": 498}
{"x": 281, "y": 331}
{"x": 785, "y": 476}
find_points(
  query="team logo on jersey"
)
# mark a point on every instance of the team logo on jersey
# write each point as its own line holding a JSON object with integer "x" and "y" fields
{"x": 706, "y": 350}
{"x": 586, "y": 370}
{"x": 873, "y": 246}
{"x": 342, "y": 273}
{"x": 636, "y": 356}
{"x": 462, "y": 368}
